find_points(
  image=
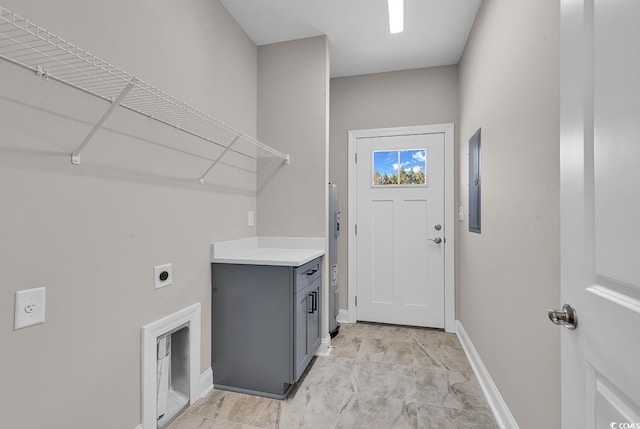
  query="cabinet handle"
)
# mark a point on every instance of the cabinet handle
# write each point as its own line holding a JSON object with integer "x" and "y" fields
{"x": 315, "y": 300}
{"x": 310, "y": 301}
{"x": 312, "y": 272}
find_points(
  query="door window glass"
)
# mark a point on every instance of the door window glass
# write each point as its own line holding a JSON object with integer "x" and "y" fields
{"x": 400, "y": 167}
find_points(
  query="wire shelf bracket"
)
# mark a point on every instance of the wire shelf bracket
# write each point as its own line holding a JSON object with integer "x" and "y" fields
{"x": 218, "y": 159}
{"x": 75, "y": 156}
{"x": 53, "y": 58}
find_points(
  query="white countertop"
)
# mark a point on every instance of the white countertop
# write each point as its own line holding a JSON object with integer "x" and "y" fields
{"x": 281, "y": 251}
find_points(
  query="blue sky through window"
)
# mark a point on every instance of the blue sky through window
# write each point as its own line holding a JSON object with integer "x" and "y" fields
{"x": 390, "y": 162}
{"x": 384, "y": 162}
{"x": 413, "y": 160}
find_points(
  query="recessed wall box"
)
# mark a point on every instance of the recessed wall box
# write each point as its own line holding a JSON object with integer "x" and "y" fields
{"x": 163, "y": 275}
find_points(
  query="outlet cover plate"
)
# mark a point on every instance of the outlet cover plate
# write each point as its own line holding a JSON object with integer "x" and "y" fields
{"x": 158, "y": 277}
{"x": 29, "y": 309}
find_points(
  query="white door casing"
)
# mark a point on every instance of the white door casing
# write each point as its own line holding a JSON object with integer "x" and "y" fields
{"x": 405, "y": 250}
{"x": 600, "y": 201}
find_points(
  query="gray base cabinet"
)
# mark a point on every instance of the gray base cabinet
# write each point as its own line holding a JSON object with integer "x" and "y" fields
{"x": 265, "y": 325}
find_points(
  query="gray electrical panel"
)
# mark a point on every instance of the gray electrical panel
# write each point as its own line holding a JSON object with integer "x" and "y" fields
{"x": 475, "y": 183}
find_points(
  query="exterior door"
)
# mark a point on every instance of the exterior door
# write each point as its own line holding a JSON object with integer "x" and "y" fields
{"x": 400, "y": 229}
{"x": 600, "y": 159}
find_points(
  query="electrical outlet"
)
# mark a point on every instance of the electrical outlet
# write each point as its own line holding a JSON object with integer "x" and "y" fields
{"x": 163, "y": 275}
{"x": 29, "y": 309}
{"x": 250, "y": 218}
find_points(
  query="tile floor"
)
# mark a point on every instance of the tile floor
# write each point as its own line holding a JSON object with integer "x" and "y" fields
{"x": 377, "y": 377}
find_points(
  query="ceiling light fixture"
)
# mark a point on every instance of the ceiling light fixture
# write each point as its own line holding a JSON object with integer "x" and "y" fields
{"x": 396, "y": 16}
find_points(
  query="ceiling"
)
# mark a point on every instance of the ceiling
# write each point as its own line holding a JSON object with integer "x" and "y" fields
{"x": 435, "y": 31}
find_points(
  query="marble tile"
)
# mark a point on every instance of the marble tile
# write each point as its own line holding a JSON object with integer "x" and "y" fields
{"x": 449, "y": 389}
{"x": 386, "y": 350}
{"x": 389, "y": 332}
{"x": 269, "y": 418}
{"x": 189, "y": 421}
{"x": 350, "y": 330}
{"x": 434, "y": 417}
{"x": 309, "y": 407}
{"x": 435, "y": 337}
{"x": 384, "y": 379}
{"x": 345, "y": 346}
{"x": 440, "y": 356}
{"x": 378, "y": 376}
{"x": 330, "y": 373}
{"x": 232, "y": 407}
{"x": 372, "y": 412}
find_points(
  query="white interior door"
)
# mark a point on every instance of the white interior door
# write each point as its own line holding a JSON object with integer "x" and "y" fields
{"x": 400, "y": 229}
{"x": 600, "y": 159}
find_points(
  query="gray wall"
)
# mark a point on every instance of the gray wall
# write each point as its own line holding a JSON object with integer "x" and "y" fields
{"x": 393, "y": 99}
{"x": 293, "y": 96}
{"x": 509, "y": 274}
{"x": 92, "y": 233}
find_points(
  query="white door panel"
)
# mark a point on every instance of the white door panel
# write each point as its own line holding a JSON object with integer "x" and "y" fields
{"x": 381, "y": 214}
{"x": 413, "y": 264}
{"x": 616, "y": 131}
{"x": 400, "y": 273}
{"x": 600, "y": 205}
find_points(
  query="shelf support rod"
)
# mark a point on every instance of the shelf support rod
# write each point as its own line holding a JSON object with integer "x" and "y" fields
{"x": 226, "y": 149}
{"x": 75, "y": 156}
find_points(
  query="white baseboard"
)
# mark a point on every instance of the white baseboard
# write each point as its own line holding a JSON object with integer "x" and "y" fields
{"x": 139, "y": 427}
{"x": 325, "y": 347}
{"x": 343, "y": 316}
{"x": 494, "y": 398}
{"x": 206, "y": 382}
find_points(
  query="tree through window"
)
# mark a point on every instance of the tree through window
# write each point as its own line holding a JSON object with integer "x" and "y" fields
{"x": 400, "y": 167}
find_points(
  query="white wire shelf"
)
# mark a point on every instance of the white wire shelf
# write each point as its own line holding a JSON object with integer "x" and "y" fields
{"x": 30, "y": 46}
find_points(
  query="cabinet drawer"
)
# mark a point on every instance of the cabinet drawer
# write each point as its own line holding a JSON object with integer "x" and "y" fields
{"x": 307, "y": 273}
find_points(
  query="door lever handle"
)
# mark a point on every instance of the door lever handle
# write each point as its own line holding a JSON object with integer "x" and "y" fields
{"x": 565, "y": 317}
{"x": 436, "y": 240}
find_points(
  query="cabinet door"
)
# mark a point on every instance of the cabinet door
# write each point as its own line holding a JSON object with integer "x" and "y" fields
{"x": 313, "y": 317}
{"x": 303, "y": 307}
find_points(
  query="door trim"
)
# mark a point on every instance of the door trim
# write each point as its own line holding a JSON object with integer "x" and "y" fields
{"x": 449, "y": 212}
